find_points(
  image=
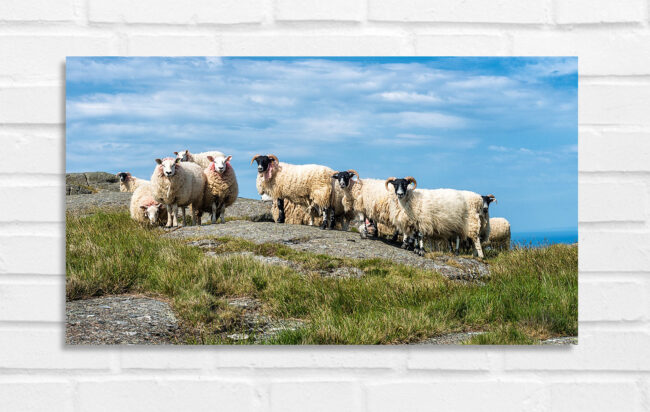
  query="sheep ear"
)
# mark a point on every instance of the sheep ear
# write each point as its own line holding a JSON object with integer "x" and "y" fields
{"x": 176, "y": 153}
{"x": 143, "y": 207}
{"x": 335, "y": 176}
{"x": 228, "y": 158}
{"x": 159, "y": 161}
{"x": 178, "y": 159}
{"x": 210, "y": 158}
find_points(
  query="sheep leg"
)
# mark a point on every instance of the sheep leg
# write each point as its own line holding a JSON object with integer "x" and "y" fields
{"x": 222, "y": 211}
{"x": 213, "y": 216}
{"x": 280, "y": 204}
{"x": 375, "y": 234}
{"x": 170, "y": 220}
{"x": 325, "y": 218}
{"x": 331, "y": 220}
{"x": 477, "y": 246}
{"x": 395, "y": 235}
{"x": 457, "y": 250}
{"x": 421, "y": 251}
{"x": 196, "y": 219}
{"x": 175, "y": 214}
{"x": 183, "y": 214}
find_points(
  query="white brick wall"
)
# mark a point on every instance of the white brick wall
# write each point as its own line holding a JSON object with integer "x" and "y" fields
{"x": 610, "y": 368}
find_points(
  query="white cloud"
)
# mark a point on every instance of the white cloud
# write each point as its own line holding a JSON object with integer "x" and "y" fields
{"x": 428, "y": 119}
{"x": 408, "y": 97}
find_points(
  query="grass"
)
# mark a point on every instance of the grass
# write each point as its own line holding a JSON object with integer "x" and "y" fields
{"x": 531, "y": 293}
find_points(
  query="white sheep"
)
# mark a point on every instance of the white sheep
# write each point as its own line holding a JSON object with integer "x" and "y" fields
{"x": 431, "y": 214}
{"x": 178, "y": 185}
{"x": 200, "y": 159}
{"x": 221, "y": 187}
{"x": 306, "y": 185}
{"x": 367, "y": 198}
{"x": 144, "y": 207}
{"x": 499, "y": 233}
{"x": 129, "y": 183}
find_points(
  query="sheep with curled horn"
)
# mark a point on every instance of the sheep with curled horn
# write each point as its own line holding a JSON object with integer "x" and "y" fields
{"x": 434, "y": 214}
{"x": 308, "y": 185}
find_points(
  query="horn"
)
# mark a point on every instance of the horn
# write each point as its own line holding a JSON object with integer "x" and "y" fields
{"x": 354, "y": 172}
{"x": 255, "y": 157}
{"x": 412, "y": 180}
{"x": 273, "y": 157}
{"x": 389, "y": 180}
{"x": 494, "y": 199}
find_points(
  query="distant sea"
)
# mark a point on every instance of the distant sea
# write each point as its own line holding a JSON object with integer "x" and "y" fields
{"x": 545, "y": 238}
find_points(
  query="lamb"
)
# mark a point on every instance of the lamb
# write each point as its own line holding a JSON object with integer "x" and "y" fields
{"x": 306, "y": 185}
{"x": 295, "y": 214}
{"x": 221, "y": 187}
{"x": 174, "y": 185}
{"x": 144, "y": 207}
{"x": 499, "y": 233}
{"x": 200, "y": 159}
{"x": 129, "y": 183}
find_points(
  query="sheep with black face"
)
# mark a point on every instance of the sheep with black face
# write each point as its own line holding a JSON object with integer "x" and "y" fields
{"x": 309, "y": 185}
{"x": 433, "y": 214}
{"x": 129, "y": 183}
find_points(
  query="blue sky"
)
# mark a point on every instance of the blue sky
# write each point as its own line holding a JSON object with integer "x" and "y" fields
{"x": 507, "y": 126}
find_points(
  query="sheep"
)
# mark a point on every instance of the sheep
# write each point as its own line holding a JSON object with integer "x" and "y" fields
{"x": 177, "y": 185}
{"x": 367, "y": 198}
{"x": 295, "y": 214}
{"x": 340, "y": 183}
{"x": 144, "y": 207}
{"x": 129, "y": 183}
{"x": 484, "y": 215}
{"x": 499, "y": 233}
{"x": 306, "y": 185}
{"x": 221, "y": 187}
{"x": 200, "y": 159}
{"x": 432, "y": 214}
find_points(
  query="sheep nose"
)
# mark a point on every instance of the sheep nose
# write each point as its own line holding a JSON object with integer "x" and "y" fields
{"x": 259, "y": 169}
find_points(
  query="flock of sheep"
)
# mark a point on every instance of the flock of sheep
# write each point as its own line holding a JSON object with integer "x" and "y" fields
{"x": 315, "y": 194}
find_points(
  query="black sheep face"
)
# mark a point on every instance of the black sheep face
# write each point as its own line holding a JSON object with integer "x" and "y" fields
{"x": 123, "y": 177}
{"x": 486, "y": 203}
{"x": 343, "y": 178}
{"x": 263, "y": 163}
{"x": 401, "y": 187}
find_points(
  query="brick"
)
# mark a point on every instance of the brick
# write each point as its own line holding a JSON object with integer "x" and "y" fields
{"x": 32, "y": 255}
{"x": 594, "y": 396}
{"x": 612, "y": 300}
{"x": 315, "y": 396}
{"x": 288, "y": 357}
{"x": 449, "y": 358}
{"x": 32, "y": 302}
{"x": 46, "y": 349}
{"x": 165, "y": 358}
{"x": 455, "y": 395}
{"x": 176, "y": 45}
{"x": 471, "y": 11}
{"x": 608, "y": 151}
{"x": 34, "y": 104}
{"x": 173, "y": 12}
{"x": 598, "y": 349}
{"x": 16, "y": 210}
{"x": 43, "y": 57}
{"x": 37, "y": 10}
{"x": 613, "y": 251}
{"x": 460, "y": 45}
{"x": 618, "y": 104}
{"x": 39, "y": 150}
{"x": 339, "y": 10}
{"x": 617, "y": 201}
{"x": 172, "y": 394}
{"x": 313, "y": 45}
{"x": 36, "y": 396}
{"x": 599, "y": 11}
{"x": 600, "y": 52}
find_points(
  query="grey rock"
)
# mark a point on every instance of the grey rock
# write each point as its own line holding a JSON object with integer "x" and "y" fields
{"x": 564, "y": 340}
{"x": 120, "y": 320}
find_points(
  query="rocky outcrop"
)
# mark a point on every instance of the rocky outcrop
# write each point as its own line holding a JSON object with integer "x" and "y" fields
{"x": 334, "y": 243}
{"x": 90, "y": 182}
